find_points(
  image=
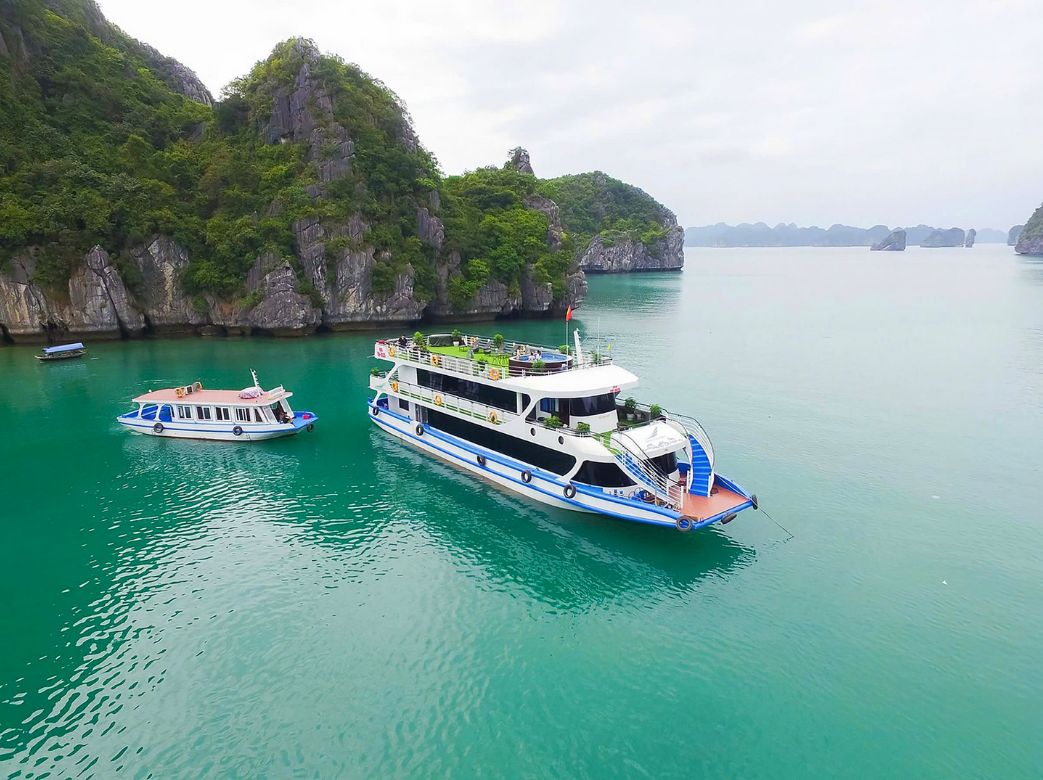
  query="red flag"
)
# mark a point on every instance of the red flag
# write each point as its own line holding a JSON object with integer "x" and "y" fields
{"x": 568, "y": 314}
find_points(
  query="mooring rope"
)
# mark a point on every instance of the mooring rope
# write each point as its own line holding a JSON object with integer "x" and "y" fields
{"x": 780, "y": 525}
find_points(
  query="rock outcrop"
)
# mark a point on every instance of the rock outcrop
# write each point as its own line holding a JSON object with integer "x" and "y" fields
{"x": 665, "y": 254}
{"x": 968, "y": 242}
{"x": 894, "y": 242}
{"x": 1014, "y": 234}
{"x": 1030, "y": 240}
{"x": 944, "y": 238}
{"x": 520, "y": 160}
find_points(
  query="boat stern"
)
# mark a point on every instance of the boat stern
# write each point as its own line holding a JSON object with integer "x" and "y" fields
{"x": 302, "y": 420}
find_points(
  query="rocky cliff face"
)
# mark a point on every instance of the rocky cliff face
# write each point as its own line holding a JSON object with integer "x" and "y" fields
{"x": 894, "y": 242}
{"x": 1014, "y": 234}
{"x": 665, "y": 254}
{"x": 944, "y": 238}
{"x": 968, "y": 242}
{"x": 1030, "y": 240}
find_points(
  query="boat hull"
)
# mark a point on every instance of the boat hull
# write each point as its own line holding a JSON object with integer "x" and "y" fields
{"x": 216, "y": 432}
{"x": 545, "y": 487}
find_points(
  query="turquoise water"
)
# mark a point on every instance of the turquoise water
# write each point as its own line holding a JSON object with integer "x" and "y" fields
{"x": 334, "y": 604}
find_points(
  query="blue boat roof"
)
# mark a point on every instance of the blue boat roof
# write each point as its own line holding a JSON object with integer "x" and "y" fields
{"x": 63, "y": 348}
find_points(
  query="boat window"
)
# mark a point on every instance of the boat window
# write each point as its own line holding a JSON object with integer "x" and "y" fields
{"x": 202, "y": 412}
{"x": 519, "y": 449}
{"x": 465, "y": 388}
{"x": 665, "y": 463}
{"x": 594, "y": 404}
{"x": 222, "y": 413}
{"x": 257, "y": 415}
{"x": 184, "y": 412}
{"x": 599, "y": 474}
{"x": 241, "y": 414}
{"x": 403, "y": 404}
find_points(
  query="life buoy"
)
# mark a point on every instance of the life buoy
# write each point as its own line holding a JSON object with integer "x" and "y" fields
{"x": 391, "y": 351}
{"x": 526, "y": 476}
{"x": 237, "y": 431}
{"x": 157, "y": 428}
{"x": 394, "y": 387}
{"x": 684, "y": 523}
{"x": 376, "y": 410}
{"x": 473, "y": 341}
{"x": 481, "y": 460}
{"x": 494, "y": 418}
{"x": 180, "y": 392}
{"x": 419, "y": 429}
{"x": 436, "y": 360}
{"x": 438, "y": 399}
{"x": 570, "y": 490}
{"x": 311, "y": 427}
{"x": 494, "y": 374}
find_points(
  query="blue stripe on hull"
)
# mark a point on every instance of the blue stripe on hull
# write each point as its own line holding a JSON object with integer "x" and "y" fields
{"x": 669, "y": 516}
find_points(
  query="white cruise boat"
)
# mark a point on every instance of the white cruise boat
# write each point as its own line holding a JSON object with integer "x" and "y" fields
{"x": 550, "y": 425}
{"x": 191, "y": 412}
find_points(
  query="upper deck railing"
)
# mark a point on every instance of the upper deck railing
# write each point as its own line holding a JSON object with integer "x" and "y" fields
{"x": 487, "y": 359}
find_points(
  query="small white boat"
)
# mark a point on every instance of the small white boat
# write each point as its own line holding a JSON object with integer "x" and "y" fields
{"x": 63, "y": 352}
{"x": 191, "y": 412}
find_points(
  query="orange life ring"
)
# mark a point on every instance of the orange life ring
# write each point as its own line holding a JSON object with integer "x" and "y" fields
{"x": 493, "y": 417}
{"x": 199, "y": 386}
{"x": 436, "y": 360}
{"x": 391, "y": 351}
{"x": 394, "y": 387}
{"x": 494, "y": 374}
{"x": 180, "y": 392}
{"x": 474, "y": 341}
{"x": 438, "y": 399}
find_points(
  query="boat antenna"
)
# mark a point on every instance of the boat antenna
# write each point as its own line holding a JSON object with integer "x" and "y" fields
{"x": 254, "y": 375}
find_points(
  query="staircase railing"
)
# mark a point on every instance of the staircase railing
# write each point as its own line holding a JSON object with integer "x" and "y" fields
{"x": 636, "y": 462}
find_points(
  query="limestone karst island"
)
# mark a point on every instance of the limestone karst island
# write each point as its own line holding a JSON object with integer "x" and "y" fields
{"x": 132, "y": 201}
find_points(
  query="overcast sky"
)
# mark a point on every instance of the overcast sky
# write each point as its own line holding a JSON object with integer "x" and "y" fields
{"x": 801, "y": 111}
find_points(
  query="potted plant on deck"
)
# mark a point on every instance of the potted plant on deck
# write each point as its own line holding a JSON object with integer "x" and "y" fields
{"x": 583, "y": 429}
{"x": 419, "y": 341}
{"x": 498, "y": 342}
{"x": 457, "y": 337}
{"x": 553, "y": 421}
{"x": 656, "y": 411}
{"x": 630, "y": 407}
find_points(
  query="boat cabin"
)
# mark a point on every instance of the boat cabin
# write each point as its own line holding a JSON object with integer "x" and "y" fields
{"x": 191, "y": 403}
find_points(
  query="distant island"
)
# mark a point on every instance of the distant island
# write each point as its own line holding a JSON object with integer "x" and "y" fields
{"x": 760, "y": 234}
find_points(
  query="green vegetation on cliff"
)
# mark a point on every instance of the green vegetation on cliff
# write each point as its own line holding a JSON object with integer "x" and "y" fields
{"x": 305, "y": 159}
{"x": 1034, "y": 227}
{"x": 595, "y": 203}
{"x": 496, "y": 234}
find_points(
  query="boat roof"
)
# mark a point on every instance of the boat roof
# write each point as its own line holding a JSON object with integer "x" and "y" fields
{"x": 63, "y": 348}
{"x": 219, "y": 397}
{"x": 577, "y": 383}
{"x": 653, "y": 440}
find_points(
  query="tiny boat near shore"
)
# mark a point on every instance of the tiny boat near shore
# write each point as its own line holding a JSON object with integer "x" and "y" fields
{"x": 62, "y": 352}
{"x": 191, "y": 412}
{"x": 548, "y": 424}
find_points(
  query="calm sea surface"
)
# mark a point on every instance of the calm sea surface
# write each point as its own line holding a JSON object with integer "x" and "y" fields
{"x": 335, "y": 604}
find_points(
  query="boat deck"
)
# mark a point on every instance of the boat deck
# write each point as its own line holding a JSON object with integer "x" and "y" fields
{"x": 702, "y": 507}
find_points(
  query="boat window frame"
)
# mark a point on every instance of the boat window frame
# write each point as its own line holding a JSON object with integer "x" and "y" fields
{"x": 204, "y": 413}
{"x": 222, "y": 414}
{"x": 242, "y": 414}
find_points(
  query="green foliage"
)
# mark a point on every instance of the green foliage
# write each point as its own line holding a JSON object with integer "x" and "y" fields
{"x": 457, "y": 335}
{"x": 498, "y": 341}
{"x": 497, "y": 236}
{"x": 596, "y": 204}
{"x": 656, "y": 411}
{"x": 630, "y": 405}
{"x": 553, "y": 421}
{"x": 1033, "y": 228}
{"x": 419, "y": 340}
{"x": 582, "y": 428}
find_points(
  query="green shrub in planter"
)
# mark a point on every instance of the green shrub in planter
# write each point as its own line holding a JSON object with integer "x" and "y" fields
{"x": 656, "y": 411}
{"x": 553, "y": 421}
{"x": 582, "y": 427}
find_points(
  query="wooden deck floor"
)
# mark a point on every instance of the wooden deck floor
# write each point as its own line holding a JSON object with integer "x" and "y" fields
{"x": 708, "y": 506}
